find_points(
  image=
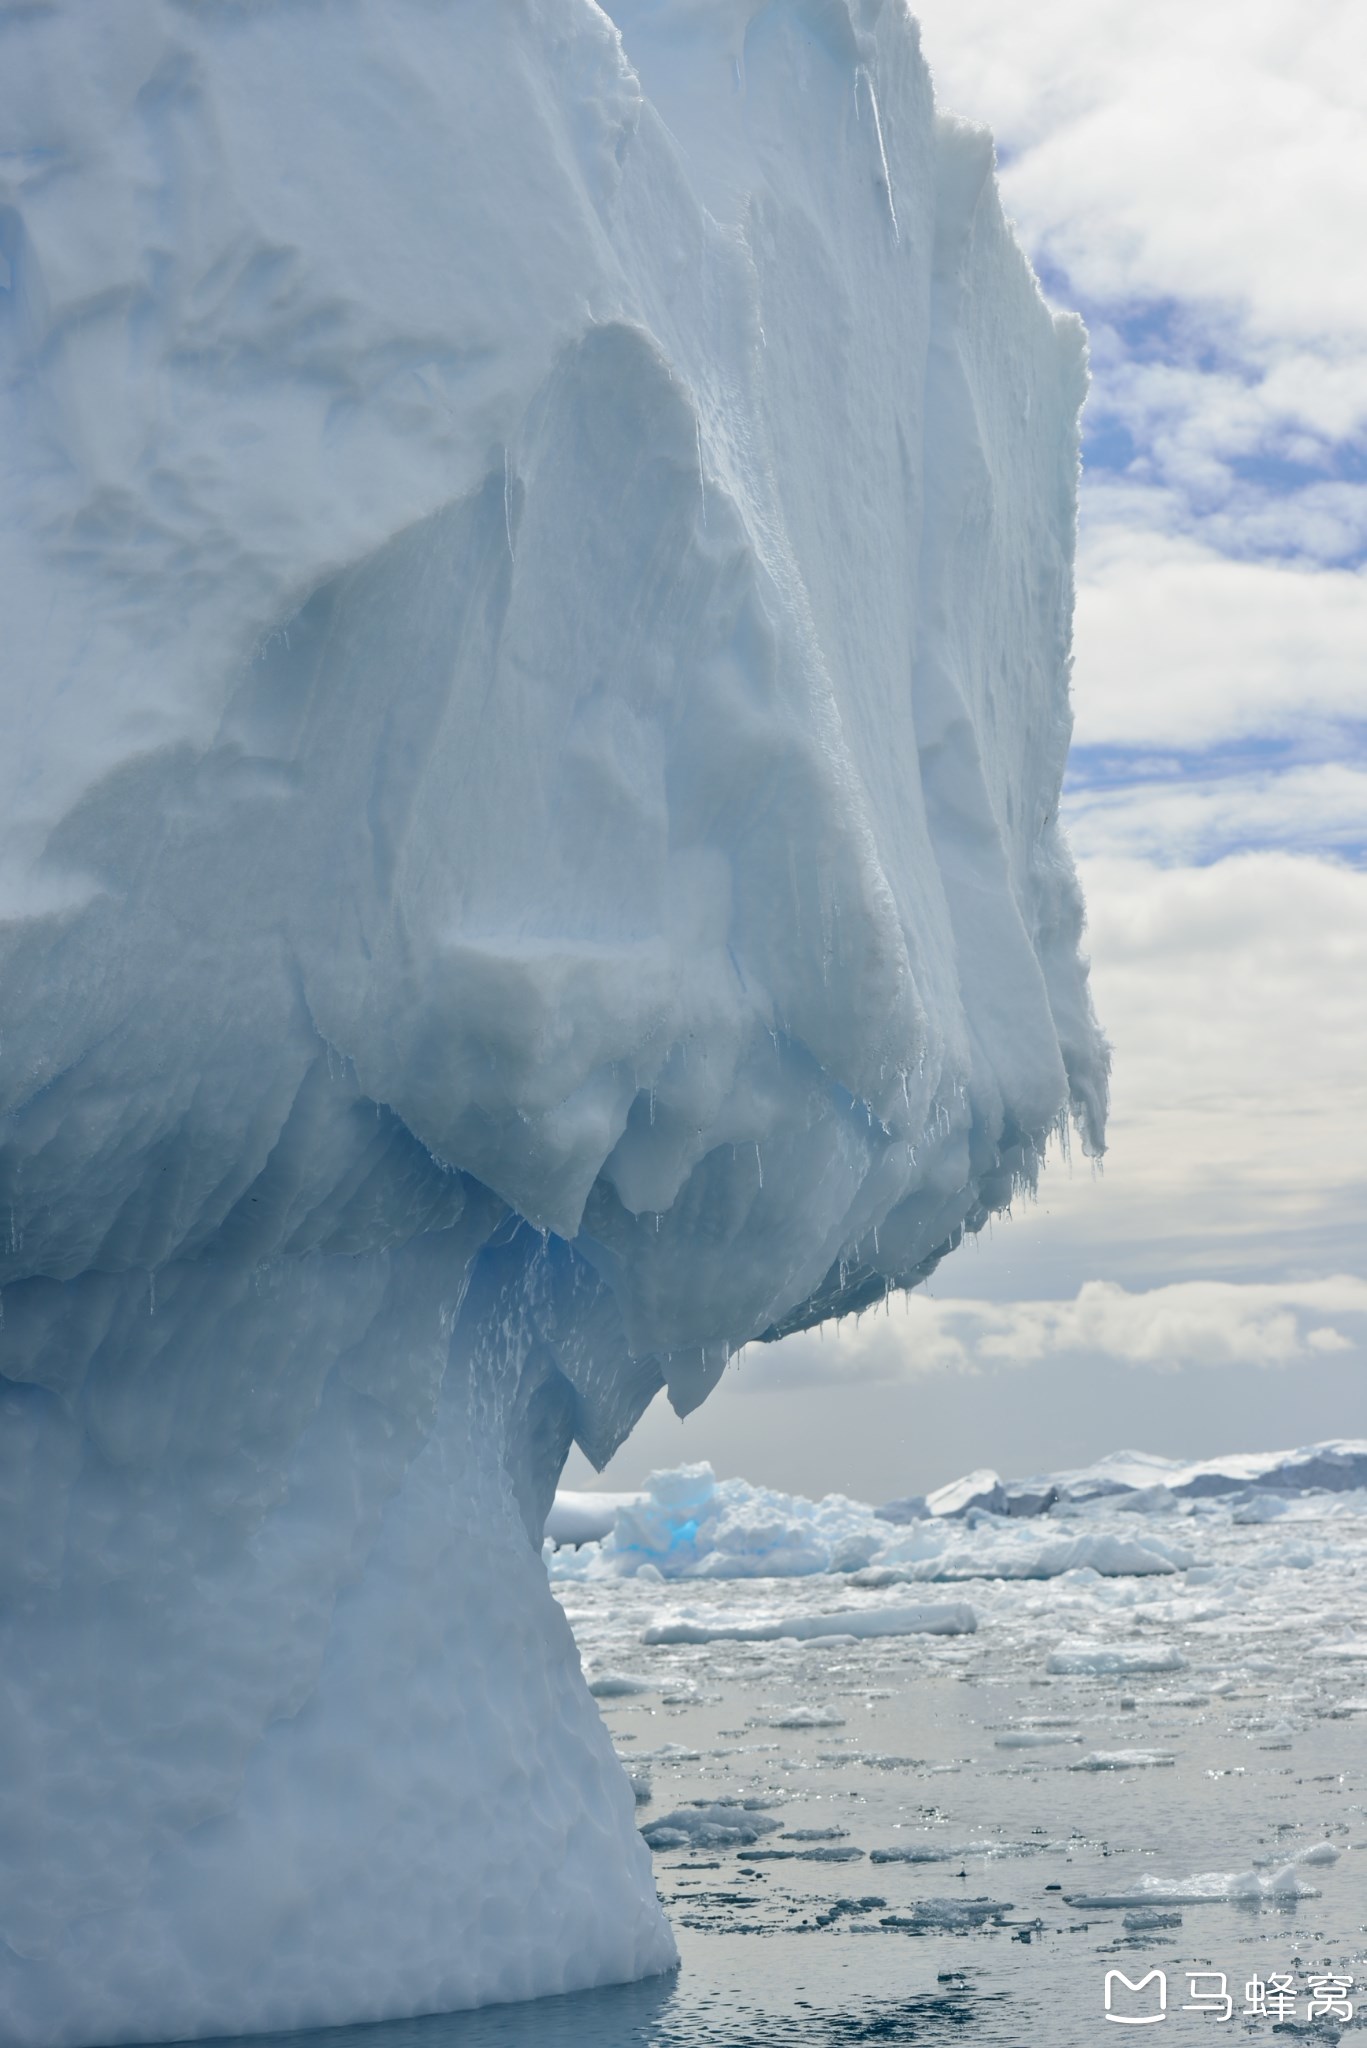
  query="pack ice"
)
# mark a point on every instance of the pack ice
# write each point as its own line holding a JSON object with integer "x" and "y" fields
{"x": 535, "y": 560}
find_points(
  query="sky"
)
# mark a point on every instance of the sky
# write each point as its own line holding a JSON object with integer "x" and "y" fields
{"x": 1193, "y": 180}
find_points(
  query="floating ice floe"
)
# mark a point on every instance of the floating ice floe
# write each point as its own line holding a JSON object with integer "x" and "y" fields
{"x": 1031, "y": 1738}
{"x": 932, "y": 1916}
{"x": 956, "y": 1619}
{"x": 1099, "y": 1551}
{"x": 827, "y": 1853}
{"x": 618, "y": 1685}
{"x": 717, "y": 1824}
{"x": 947, "y": 1852}
{"x": 1207, "y": 1888}
{"x": 1077, "y": 1658}
{"x": 1123, "y": 1760}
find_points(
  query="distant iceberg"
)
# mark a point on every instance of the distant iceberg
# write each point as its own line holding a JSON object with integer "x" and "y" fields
{"x": 536, "y": 560}
{"x": 1337, "y": 1466}
{"x": 688, "y": 1524}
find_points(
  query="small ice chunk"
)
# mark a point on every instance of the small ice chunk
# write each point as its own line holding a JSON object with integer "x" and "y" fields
{"x": 1076, "y": 1657}
{"x": 928, "y": 1916}
{"x": 1147, "y": 1919}
{"x": 618, "y": 1685}
{"x": 911, "y": 1852}
{"x": 641, "y": 1786}
{"x": 1032, "y": 1738}
{"x": 1123, "y": 1760}
{"x": 577, "y": 1518}
{"x": 808, "y": 1717}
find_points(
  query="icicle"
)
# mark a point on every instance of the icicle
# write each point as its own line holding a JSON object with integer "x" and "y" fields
{"x": 878, "y": 137}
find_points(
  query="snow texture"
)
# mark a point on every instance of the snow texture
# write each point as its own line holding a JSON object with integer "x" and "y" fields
{"x": 536, "y": 563}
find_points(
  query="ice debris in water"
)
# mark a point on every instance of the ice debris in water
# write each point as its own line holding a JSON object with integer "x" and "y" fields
{"x": 534, "y": 726}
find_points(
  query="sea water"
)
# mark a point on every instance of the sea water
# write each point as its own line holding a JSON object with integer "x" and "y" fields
{"x": 910, "y": 1838}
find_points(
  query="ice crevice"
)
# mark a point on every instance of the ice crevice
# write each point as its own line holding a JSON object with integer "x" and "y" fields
{"x": 538, "y": 601}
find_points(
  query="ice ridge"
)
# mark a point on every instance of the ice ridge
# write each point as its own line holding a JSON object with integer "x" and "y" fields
{"x": 536, "y": 555}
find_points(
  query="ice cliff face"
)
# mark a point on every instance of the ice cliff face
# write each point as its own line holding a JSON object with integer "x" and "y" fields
{"x": 536, "y": 563}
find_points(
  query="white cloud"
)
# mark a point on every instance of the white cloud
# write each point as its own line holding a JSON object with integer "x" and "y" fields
{"x": 1179, "y": 646}
{"x": 1194, "y": 1323}
{"x": 1213, "y": 152}
{"x": 1192, "y": 819}
{"x": 1235, "y": 996}
{"x": 1206, "y": 164}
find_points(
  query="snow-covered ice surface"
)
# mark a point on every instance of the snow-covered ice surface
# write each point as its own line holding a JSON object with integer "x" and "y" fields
{"x": 889, "y": 1838}
{"x": 535, "y": 558}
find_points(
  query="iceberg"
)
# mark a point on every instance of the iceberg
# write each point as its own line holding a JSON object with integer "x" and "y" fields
{"x": 688, "y": 1524}
{"x": 536, "y": 556}
{"x": 1265, "y": 1480}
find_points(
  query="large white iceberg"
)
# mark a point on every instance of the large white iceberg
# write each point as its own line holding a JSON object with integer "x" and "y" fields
{"x": 536, "y": 566}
